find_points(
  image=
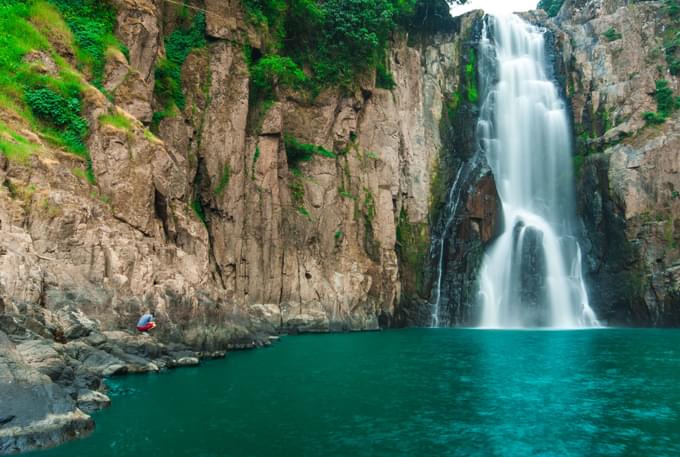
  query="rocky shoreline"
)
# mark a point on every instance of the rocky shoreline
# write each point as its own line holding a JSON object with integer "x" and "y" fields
{"x": 52, "y": 366}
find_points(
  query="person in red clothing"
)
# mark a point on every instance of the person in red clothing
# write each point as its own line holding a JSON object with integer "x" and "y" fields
{"x": 146, "y": 322}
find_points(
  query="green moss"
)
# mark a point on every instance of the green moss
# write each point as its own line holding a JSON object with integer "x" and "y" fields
{"x": 255, "y": 157}
{"x": 471, "y": 77}
{"x": 345, "y": 194}
{"x": 297, "y": 191}
{"x": 297, "y": 152}
{"x": 368, "y": 206}
{"x": 412, "y": 248}
{"x": 452, "y": 104}
{"x": 150, "y": 136}
{"x": 578, "y": 164}
{"x": 198, "y": 210}
{"x": 303, "y": 211}
{"x": 224, "y": 180}
{"x": 668, "y": 232}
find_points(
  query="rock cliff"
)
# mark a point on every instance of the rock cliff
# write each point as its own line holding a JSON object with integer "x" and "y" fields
{"x": 618, "y": 62}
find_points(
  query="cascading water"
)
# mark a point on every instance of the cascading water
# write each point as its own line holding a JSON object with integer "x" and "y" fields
{"x": 531, "y": 275}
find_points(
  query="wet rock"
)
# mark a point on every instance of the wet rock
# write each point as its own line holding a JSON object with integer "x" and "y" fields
{"x": 44, "y": 414}
{"x": 90, "y": 401}
{"x": 187, "y": 361}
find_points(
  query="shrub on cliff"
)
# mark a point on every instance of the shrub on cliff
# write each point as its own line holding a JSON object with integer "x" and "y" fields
{"x": 168, "y": 72}
{"x": 337, "y": 40}
{"x": 92, "y": 23}
{"x": 272, "y": 71}
{"x": 666, "y": 103}
{"x": 552, "y": 7}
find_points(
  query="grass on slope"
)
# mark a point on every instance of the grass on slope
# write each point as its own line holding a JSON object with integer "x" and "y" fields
{"x": 40, "y": 85}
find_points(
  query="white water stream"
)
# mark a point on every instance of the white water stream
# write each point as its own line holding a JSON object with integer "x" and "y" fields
{"x": 531, "y": 275}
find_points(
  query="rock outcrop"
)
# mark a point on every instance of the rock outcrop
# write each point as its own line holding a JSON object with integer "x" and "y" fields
{"x": 611, "y": 55}
{"x": 51, "y": 370}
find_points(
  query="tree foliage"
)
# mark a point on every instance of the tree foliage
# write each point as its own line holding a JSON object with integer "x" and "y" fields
{"x": 168, "y": 71}
{"x": 336, "y": 40}
{"x": 552, "y": 7}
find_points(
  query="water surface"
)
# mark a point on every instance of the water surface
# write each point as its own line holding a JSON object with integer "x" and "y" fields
{"x": 419, "y": 392}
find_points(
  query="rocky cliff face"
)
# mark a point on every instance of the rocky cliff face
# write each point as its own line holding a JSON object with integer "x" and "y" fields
{"x": 612, "y": 55}
{"x": 205, "y": 220}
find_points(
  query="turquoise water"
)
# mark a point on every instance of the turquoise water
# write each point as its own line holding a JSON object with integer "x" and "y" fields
{"x": 419, "y": 392}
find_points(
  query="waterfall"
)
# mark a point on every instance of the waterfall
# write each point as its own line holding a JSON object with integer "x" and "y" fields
{"x": 453, "y": 198}
{"x": 531, "y": 275}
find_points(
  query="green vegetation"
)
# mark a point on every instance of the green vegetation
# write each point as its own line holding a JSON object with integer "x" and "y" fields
{"x": 471, "y": 77}
{"x": 345, "y": 194}
{"x": 612, "y": 35}
{"x": 297, "y": 191}
{"x": 275, "y": 71}
{"x": 198, "y": 210}
{"x": 168, "y": 73}
{"x": 412, "y": 248}
{"x": 666, "y": 103}
{"x": 255, "y": 157}
{"x": 452, "y": 104}
{"x": 552, "y": 7}
{"x": 429, "y": 16}
{"x": 117, "y": 120}
{"x": 335, "y": 41}
{"x": 14, "y": 146}
{"x": 61, "y": 111}
{"x": 92, "y": 23}
{"x": 383, "y": 77}
{"x": 671, "y": 36}
{"x": 578, "y": 164}
{"x": 368, "y": 206}
{"x": 44, "y": 90}
{"x": 224, "y": 180}
{"x": 297, "y": 152}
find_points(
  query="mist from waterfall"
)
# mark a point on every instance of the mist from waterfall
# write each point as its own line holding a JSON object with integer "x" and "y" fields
{"x": 531, "y": 275}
